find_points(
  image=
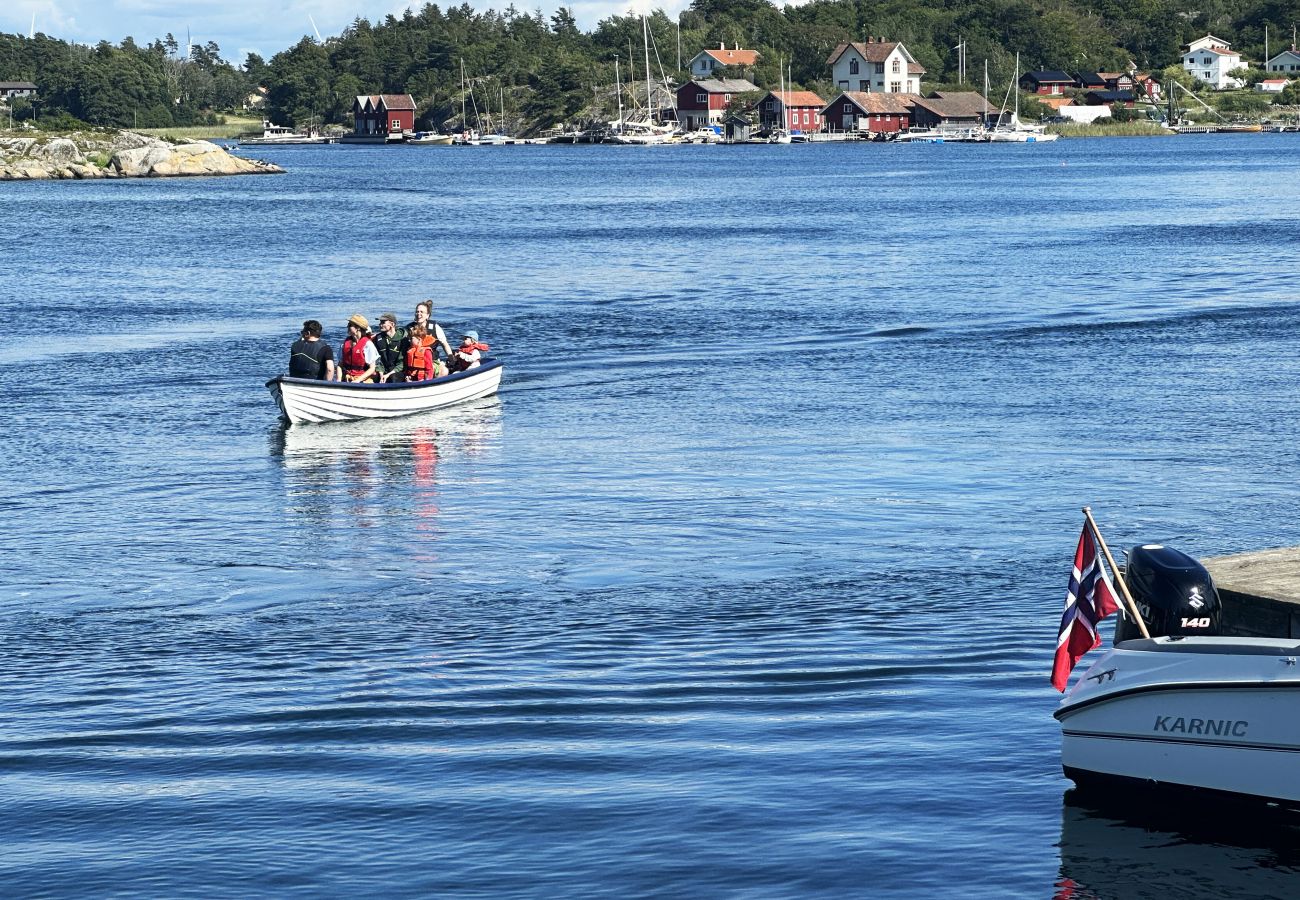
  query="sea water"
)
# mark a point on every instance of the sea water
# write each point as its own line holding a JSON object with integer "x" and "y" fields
{"x": 746, "y": 584}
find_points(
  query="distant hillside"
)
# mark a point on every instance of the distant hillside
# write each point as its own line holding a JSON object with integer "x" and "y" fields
{"x": 546, "y": 70}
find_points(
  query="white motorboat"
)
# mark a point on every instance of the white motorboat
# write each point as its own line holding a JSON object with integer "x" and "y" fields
{"x": 280, "y": 135}
{"x": 1188, "y": 708}
{"x": 305, "y": 400}
{"x": 1213, "y": 713}
{"x": 429, "y": 138}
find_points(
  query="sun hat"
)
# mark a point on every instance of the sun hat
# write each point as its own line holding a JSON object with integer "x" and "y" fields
{"x": 359, "y": 321}
{"x": 472, "y": 335}
{"x": 389, "y": 317}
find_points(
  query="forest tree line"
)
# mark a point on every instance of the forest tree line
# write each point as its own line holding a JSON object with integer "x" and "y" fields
{"x": 546, "y": 70}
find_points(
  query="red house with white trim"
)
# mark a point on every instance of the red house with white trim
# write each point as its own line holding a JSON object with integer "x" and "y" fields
{"x": 803, "y": 111}
{"x": 701, "y": 103}
{"x": 383, "y": 114}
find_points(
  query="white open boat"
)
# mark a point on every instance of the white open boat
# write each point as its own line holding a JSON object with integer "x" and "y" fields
{"x": 1190, "y": 707}
{"x": 306, "y": 400}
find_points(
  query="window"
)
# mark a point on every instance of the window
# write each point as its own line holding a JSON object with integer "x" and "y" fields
{"x": 843, "y": 85}
{"x": 896, "y": 87}
{"x": 880, "y": 68}
{"x": 397, "y": 125}
{"x": 806, "y": 120}
{"x": 896, "y": 68}
{"x": 864, "y": 86}
{"x": 853, "y": 67}
{"x": 701, "y": 98}
{"x": 1191, "y": 60}
{"x": 848, "y": 107}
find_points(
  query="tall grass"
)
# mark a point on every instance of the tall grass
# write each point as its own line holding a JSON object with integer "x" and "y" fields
{"x": 1111, "y": 129}
{"x": 232, "y": 128}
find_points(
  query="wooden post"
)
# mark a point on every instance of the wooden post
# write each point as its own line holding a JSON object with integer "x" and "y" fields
{"x": 1123, "y": 586}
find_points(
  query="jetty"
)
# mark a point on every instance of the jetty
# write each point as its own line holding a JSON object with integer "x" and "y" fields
{"x": 1260, "y": 591}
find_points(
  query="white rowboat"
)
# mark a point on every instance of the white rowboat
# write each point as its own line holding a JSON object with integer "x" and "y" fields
{"x": 306, "y": 400}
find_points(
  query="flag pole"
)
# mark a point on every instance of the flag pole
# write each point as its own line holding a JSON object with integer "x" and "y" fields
{"x": 1123, "y": 586}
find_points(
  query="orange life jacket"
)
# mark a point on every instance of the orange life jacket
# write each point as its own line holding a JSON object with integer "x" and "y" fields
{"x": 419, "y": 363}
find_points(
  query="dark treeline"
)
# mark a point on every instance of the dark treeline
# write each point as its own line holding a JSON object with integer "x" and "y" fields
{"x": 545, "y": 70}
{"x": 125, "y": 84}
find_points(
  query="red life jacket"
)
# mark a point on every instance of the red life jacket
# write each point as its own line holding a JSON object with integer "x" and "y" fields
{"x": 354, "y": 356}
{"x": 419, "y": 363}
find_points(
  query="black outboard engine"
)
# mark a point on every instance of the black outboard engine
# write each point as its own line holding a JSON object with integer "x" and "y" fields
{"x": 1174, "y": 593}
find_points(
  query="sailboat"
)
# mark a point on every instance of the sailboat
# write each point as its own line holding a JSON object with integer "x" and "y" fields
{"x": 1018, "y": 132}
{"x": 781, "y": 135}
{"x": 641, "y": 131}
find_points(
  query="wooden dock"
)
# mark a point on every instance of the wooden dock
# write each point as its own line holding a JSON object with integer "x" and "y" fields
{"x": 1260, "y": 592}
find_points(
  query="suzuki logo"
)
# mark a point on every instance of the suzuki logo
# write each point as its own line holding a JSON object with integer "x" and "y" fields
{"x": 1194, "y": 599}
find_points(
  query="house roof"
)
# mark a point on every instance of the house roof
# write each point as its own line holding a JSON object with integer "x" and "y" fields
{"x": 17, "y": 86}
{"x": 1218, "y": 51}
{"x": 1210, "y": 37}
{"x": 1110, "y": 96}
{"x": 876, "y": 52}
{"x": 1273, "y": 81}
{"x": 397, "y": 101}
{"x": 1292, "y": 52}
{"x": 722, "y": 85}
{"x": 956, "y": 104}
{"x": 877, "y": 104}
{"x": 961, "y": 102}
{"x": 1091, "y": 79}
{"x": 1048, "y": 76}
{"x": 798, "y": 98}
{"x": 734, "y": 57}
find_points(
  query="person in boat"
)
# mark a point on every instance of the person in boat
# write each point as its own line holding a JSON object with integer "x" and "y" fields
{"x": 434, "y": 335}
{"x": 310, "y": 357}
{"x": 469, "y": 355}
{"x": 418, "y": 359}
{"x": 359, "y": 360}
{"x": 388, "y": 341}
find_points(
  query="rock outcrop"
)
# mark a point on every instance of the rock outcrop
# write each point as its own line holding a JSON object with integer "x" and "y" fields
{"x": 122, "y": 155}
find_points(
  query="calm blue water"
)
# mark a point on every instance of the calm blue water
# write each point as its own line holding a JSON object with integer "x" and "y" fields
{"x": 746, "y": 584}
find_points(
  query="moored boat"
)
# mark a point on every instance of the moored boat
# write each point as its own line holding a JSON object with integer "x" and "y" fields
{"x": 305, "y": 401}
{"x": 1189, "y": 708}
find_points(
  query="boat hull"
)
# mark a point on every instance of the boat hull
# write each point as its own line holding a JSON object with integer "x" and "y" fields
{"x": 305, "y": 401}
{"x": 1220, "y": 715}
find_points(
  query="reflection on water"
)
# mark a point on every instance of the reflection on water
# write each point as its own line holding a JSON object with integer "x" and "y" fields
{"x": 1151, "y": 846}
{"x": 380, "y": 473}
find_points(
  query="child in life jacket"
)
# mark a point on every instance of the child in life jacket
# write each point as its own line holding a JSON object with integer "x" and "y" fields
{"x": 469, "y": 354}
{"x": 419, "y": 356}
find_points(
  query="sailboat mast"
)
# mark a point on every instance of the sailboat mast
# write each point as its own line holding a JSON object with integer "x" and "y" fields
{"x": 464, "y": 113}
{"x": 649, "y": 95}
{"x": 1015, "y": 86}
{"x": 618, "y": 88}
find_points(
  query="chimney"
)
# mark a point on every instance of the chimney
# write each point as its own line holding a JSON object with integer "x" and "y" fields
{"x": 870, "y": 39}
{"x": 722, "y": 45}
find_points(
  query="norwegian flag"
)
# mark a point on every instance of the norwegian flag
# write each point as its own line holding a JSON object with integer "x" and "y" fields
{"x": 1090, "y": 599}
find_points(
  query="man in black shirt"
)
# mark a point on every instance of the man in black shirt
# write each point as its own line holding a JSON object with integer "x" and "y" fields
{"x": 388, "y": 341}
{"x": 311, "y": 357}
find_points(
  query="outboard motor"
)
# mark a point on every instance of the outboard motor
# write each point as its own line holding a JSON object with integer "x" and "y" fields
{"x": 1174, "y": 593}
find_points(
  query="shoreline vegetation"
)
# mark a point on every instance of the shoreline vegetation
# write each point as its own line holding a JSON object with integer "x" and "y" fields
{"x": 524, "y": 74}
{"x": 38, "y": 156}
{"x": 1112, "y": 129}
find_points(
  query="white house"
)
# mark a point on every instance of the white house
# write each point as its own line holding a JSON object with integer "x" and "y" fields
{"x": 1287, "y": 61}
{"x": 704, "y": 62}
{"x": 1270, "y": 86}
{"x": 875, "y": 66}
{"x": 1210, "y": 59}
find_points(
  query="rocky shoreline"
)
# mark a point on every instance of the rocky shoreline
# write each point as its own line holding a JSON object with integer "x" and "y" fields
{"x": 123, "y": 154}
